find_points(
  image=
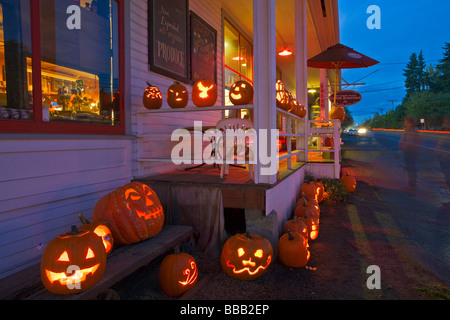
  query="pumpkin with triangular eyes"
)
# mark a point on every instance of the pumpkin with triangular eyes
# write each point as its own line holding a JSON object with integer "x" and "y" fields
{"x": 133, "y": 213}
{"x": 73, "y": 262}
{"x": 177, "y": 95}
{"x": 246, "y": 256}
{"x": 241, "y": 92}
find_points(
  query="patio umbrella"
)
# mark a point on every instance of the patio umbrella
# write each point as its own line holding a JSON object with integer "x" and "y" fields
{"x": 340, "y": 57}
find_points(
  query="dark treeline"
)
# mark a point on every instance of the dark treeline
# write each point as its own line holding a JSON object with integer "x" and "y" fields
{"x": 427, "y": 94}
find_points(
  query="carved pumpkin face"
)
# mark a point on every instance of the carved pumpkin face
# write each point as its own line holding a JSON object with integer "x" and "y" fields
{"x": 204, "y": 93}
{"x": 73, "y": 262}
{"x": 152, "y": 98}
{"x": 177, "y": 96}
{"x": 241, "y": 92}
{"x": 282, "y": 96}
{"x": 246, "y": 256}
{"x": 293, "y": 250}
{"x": 178, "y": 273}
{"x": 133, "y": 212}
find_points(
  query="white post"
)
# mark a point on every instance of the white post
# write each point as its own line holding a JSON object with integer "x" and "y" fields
{"x": 301, "y": 69}
{"x": 264, "y": 48}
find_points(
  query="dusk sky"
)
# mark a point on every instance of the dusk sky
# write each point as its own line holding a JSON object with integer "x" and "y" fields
{"x": 406, "y": 27}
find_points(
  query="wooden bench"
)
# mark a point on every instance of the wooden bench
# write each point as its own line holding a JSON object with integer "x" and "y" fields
{"x": 122, "y": 262}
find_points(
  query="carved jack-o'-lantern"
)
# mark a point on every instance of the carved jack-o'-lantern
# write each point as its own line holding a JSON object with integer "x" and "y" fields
{"x": 293, "y": 250}
{"x": 204, "y": 93}
{"x": 241, "y": 92}
{"x": 282, "y": 96}
{"x": 178, "y": 273}
{"x": 246, "y": 256}
{"x": 177, "y": 95}
{"x": 73, "y": 262}
{"x": 100, "y": 228}
{"x": 133, "y": 212}
{"x": 152, "y": 98}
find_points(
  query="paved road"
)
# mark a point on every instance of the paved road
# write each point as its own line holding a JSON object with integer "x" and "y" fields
{"x": 420, "y": 216}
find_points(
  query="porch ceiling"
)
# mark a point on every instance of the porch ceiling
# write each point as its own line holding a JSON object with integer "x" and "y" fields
{"x": 322, "y": 31}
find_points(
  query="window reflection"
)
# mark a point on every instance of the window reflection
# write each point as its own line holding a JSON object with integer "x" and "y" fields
{"x": 80, "y": 67}
{"x": 15, "y": 61}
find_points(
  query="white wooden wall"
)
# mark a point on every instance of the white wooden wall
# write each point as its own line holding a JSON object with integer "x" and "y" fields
{"x": 45, "y": 182}
{"x": 210, "y": 11}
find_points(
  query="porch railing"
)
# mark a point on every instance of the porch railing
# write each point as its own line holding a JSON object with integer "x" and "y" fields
{"x": 298, "y": 136}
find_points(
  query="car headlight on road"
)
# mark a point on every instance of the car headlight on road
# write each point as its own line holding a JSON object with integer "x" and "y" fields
{"x": 362, "y": 130}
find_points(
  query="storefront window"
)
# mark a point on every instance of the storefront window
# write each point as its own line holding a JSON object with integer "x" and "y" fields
{"x": 15, "y": 61}
{"x": 60, "y": 66}
{"x": 79, "y": 61}
{"x": 238, "y": 63}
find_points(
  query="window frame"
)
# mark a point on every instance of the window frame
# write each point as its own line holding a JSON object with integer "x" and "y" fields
{"x": 37, "y": 125}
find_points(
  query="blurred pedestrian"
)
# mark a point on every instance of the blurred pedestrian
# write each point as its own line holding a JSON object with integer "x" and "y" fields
{"x": 443, "y": 150}
{"x": 409, "y": 144}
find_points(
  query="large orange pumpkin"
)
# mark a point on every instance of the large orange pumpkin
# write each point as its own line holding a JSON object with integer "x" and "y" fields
{"x": 204, "y": 93}
{"x": 133, "y": 212}
{"x": 293, "y": 250}
{"x": 73, "y": 262}
{"x": 178, "y": 273}
{"x": 246, "y": 256}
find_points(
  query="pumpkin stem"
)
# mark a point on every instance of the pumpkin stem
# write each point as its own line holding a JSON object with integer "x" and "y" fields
{"x": 83, "y": 218}
{"x": 290, "y": 235}
{"x": 148, "y": 83}
{"x": 74, "y": 230}
{"x": 248, "y": 234}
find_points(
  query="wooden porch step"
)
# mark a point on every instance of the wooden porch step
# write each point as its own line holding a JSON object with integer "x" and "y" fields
{"x": 122, "y": 262}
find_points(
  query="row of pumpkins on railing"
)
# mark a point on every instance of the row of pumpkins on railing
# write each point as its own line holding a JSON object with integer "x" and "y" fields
{"x": 204, "y": 94}
{"x": 133, "y": 213}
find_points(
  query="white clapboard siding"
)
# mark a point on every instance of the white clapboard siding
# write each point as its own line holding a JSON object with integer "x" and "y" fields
{"x": 210, "y": 11}
{"x": 46, "y": 181}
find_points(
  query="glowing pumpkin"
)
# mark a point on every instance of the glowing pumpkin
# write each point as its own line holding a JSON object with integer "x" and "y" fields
{"x": 337, "y": 112}
{"x": 246, "y": 256}
{"x": 204, "y": 93}
{"x": 298, "y": 109}
{"x": 152, "y": 98}
{"x": 241, "y": 92}
{"x": 349, "y": 182}
{"x": 133, "y": 212}
{"x": 73, "y": 262}
{"x": 101, "y": 229}
{"x": 320, "y": 191}
{"x": 310, "y": 214}
{"x": 296, "y": 224}
{"x": 178, "y": 273}
{"x": 282, "y": 96}
{"x": 293, "y": 250}
{"x": 177, "y": 95}
{"x": 309, "y": 189}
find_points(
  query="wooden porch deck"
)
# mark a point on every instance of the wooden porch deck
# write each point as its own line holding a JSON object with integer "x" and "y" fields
{"x": 238, "y": 191}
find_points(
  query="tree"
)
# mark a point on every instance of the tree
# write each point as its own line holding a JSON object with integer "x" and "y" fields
{"x": 442, "y": 83}
{"x": 421, "y": 72}
{"x": 412, "y": 82}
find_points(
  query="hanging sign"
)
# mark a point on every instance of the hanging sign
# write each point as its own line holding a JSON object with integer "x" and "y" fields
{"x": 346, "y": 97}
